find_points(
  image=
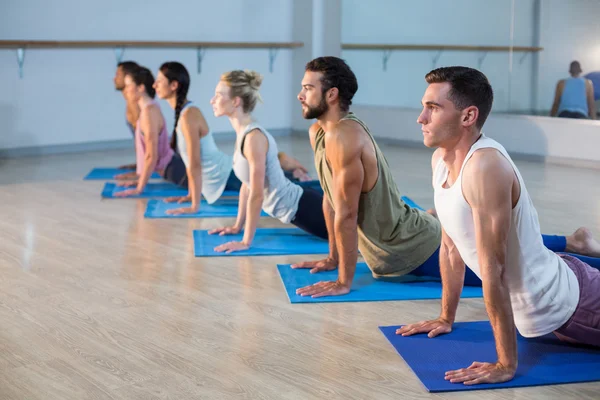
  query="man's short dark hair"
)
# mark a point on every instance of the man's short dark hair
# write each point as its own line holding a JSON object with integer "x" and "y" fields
{"x": 469, "y": 87}
{"x": 127, "y": 66}
{"x": 336, "y": 73}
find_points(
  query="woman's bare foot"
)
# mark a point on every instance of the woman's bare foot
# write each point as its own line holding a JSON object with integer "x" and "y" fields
{"x": 582, "y": 242}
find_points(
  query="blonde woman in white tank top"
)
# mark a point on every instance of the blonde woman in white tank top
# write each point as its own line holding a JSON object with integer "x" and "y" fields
{"x": 257, "y": 164}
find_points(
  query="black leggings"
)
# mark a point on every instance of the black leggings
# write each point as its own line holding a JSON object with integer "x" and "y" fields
{"x": 176, "y": 172}
{"x": 309, "y": 216}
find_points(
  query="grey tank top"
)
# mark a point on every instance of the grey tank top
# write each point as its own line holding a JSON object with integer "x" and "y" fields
{"x": 281, "y": 196}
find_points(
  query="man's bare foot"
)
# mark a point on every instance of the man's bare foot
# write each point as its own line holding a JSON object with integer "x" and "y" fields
{"x": 582, "y": 242}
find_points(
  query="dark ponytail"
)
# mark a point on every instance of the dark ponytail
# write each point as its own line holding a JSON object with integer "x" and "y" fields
{"x": 175, "y": 71}
{"x": 143, "y": 76}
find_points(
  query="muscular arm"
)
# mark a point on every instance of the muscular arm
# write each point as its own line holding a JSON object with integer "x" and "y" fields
{"x": 343, "y": 151}
{"x": 329, "y": 215}
{"x": 487, "y": 185}
{"x": 452, "y": 271}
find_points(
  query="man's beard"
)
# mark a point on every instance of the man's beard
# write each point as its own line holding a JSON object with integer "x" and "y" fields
{"x": 316, "y": 112}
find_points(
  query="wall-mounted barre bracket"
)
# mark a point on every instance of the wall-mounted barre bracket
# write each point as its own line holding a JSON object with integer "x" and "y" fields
{"x": 437, "y": 58}
{"x": 386, "y": 58}
{"x": 20, "y": 60}
{"x": 272, "y": 55}
{"x": 119, "y": 51}
{"x": 200, "y": 51}
{"x": 525, "y": 53}
{"x": 480, "y": 59}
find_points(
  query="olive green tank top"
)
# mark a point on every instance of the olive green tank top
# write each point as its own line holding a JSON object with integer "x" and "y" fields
{"x": 393, "y": 238}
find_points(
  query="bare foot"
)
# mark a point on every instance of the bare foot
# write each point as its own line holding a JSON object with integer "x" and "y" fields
{"x": 582, "y": 242}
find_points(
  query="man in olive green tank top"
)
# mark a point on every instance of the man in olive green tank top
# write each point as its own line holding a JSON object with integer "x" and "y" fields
{"x": 362, "y": 204}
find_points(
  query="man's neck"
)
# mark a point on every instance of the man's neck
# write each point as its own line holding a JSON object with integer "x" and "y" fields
{"x": 454, "y": 153}
{"x": 331, "y": 118}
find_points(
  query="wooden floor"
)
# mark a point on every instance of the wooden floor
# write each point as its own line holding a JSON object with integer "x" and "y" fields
{"x": 97, "y": 302}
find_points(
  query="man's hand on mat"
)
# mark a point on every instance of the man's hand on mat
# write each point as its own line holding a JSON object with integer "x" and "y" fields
{"x": 183, "y": 210}
{"x": 126, "y": 175}
{"x": 178, "y": 199}
{"x": 228, "y": 230}
{"x": 328, "y": 264}
{"x": 128, "y": 192}
{"x": 432, "y": 328}
{"x": 480, "y": 372}
{"x": 127, "y": 184}
{"x": 230, "y": 247}
{"x": 324, "y": 288}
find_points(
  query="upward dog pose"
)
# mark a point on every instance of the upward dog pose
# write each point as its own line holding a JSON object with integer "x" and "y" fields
{"x": 132, "y": 110}
{"x": 151, "y": 137}
{"x": 489, "y": 221}
{"x": 206, "y": 169}
{"x": 362, "y": 205}
{"x": 256, "y": 164}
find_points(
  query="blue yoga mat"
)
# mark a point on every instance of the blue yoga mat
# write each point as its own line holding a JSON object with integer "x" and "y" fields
{"x": 542, "y": 361}
{"x": 163, "y": 189}
{"x": 104, "y": 174}
{"x": 365, "y": 287}
{"x": 411, "y": 203}
{"x": 267, "y": 242}
{"x": 151, "y": 190}
{"x": 221, "y": 208}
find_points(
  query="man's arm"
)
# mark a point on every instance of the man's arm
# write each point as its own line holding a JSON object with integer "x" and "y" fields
{"x": 343, "y": 149}
{"x": 589, "y": 91}
{"x": 452, "y": 271}
{"x": 557, "y": 95}
{"x": 487, "y": 186}
{"x": 330, "y": 263}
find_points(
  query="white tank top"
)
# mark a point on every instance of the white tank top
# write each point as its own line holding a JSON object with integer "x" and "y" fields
{"x": 544, "y": 291}
{"x": 281, "y": 196}
{"x": 216, "y": 165}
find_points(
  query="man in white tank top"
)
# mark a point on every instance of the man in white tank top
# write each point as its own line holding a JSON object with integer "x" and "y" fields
{"x": 489, "y": 222}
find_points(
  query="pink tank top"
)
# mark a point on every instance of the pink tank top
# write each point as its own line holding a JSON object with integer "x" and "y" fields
{"x": 165, "y": 153}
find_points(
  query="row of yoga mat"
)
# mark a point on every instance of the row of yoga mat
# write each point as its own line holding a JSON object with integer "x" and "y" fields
{"x": 542, "y": 361}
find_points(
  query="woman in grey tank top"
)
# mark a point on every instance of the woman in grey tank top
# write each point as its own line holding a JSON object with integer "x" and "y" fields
{"x": 256, "y": 164}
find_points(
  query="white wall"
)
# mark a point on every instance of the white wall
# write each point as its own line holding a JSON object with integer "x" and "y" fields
{"x": 67, "y": 96}
{"x": 524, "y": 134}
{"x": 450, "y": 22}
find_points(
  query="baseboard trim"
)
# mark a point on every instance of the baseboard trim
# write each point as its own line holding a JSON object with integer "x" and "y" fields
{"x": 37, "y": 151}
